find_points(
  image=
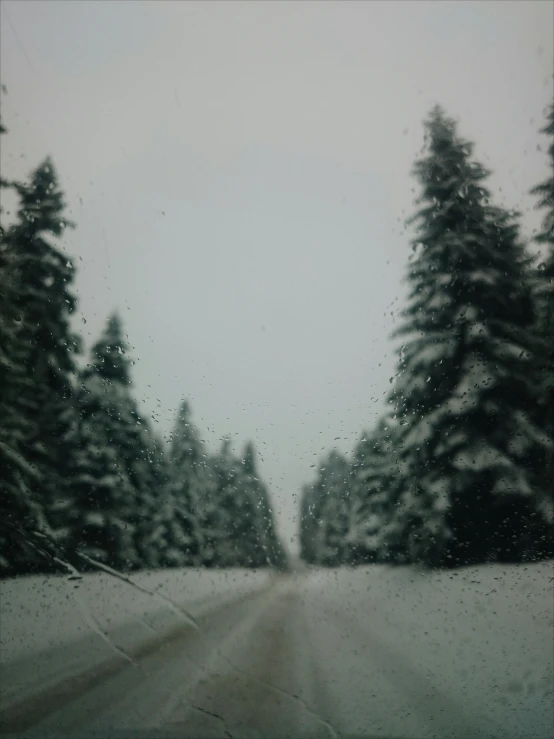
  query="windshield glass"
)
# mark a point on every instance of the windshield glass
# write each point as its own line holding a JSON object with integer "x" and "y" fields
{"x": 276, "y": 369}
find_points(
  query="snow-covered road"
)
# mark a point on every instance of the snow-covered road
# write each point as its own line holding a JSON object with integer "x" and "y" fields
{"x": 371, "y": 652}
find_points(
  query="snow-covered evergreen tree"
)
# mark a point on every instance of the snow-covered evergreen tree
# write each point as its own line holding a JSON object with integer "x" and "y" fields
{"x": 177, "y": 524}
{"x": 115, "y": 475}
{"x": 234, "y": 513}
{"x": 21, "y": 508}
{"x": 466, "y": 387}
{"x": 260, "y": 545}
{"x": 151, "y": 470}
{"x": 4, "y": 184}
{"x": 324, "y": 512}
{"x": 228, "y": 510}
{"x": 375, "y": 472}
{"x": 336, "y": 481}
{"x": 37, "y": 366}
{"x": 545, "y": 192}
{"x": 308, "y": 523}
{"x": 544, "y": 300}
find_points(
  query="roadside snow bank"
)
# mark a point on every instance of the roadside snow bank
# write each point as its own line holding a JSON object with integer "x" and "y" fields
{"x": 482, "y": 635}
{"x": 49, "y": 611}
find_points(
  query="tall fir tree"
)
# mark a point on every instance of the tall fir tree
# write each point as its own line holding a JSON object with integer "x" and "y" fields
{"x": 178, "y": 526}
{"x": 20, "y": 505}
{"x": 324, "y": 525}
{"x": 152, "y": 502}
{"x": 375, "y": 472}
{"x": 260, "y": 544}
{"x": 112, "y": 472}
{"x": 308, "y": 524}
{"x": 544, "y": 300}
{"x": 37, "y": 377}
{"x": 545, "y": 192}
{"x": 465, "y": 390}
{"x": 227, "y": 509}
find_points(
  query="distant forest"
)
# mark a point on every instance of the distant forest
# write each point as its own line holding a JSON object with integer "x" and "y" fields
{"x": 460, "y": 468}
{"x": 85, "y": 481}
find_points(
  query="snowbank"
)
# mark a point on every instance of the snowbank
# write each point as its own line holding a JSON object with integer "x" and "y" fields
{"x": 483, "y": 635}
{"x": 50, "y": 611}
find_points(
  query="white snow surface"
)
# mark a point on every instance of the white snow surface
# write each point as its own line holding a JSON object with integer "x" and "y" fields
{"x": 370, "y": 651}
{"x": 47, "y": 611}
{"x": 480, "y": 636}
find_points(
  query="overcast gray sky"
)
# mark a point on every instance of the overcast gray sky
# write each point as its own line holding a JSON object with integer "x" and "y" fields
{"x": 239, "y": 174}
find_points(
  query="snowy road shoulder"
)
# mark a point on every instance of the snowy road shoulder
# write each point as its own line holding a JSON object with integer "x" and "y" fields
{"x": 480, "y": 639}
{"x": 55, "y": 629}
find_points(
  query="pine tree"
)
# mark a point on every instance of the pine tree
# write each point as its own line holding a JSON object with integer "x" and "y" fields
{"x": 236, "y": 519}
{"x": 178, "y": 525}
{"x": 111, "y": 471}
{"x": 9, "y": 323}
{"x": 21, "y": 508}
{"x": 152, "y": 500}
{"x": 226, "y": 514}
{"x": 324, "y": 527}
{"x": 4, "y": 184}
{"x": 375, "y": 472}
{"x": 336, "y": 485}
{"x": 143, "y": 459}
{"x": 308, "y": 524}
{"x": 314, "y": 523}
{"x": 37, "y": 368}
{"x": 544, "y": 300}
{"x": 249, "y": 459}
{"x": 260, "y": 544}
{"x": 465, "y": 388}
{"x": 545, "y": 192}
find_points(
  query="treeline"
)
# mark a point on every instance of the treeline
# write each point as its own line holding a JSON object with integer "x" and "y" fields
{"x": 460, "y": 468}
{"x": 83, "y": 477}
